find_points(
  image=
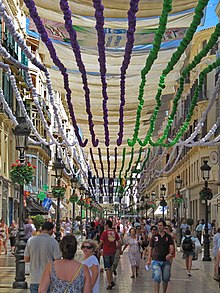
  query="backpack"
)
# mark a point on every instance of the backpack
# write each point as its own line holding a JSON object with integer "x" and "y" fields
{"x": 187, "y": 244}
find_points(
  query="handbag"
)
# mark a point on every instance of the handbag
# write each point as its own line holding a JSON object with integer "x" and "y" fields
{"x": 73, "y": 278}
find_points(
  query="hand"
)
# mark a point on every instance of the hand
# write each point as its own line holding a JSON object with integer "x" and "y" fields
{"x": 169, "y": 256}
{"x": 148, "y": 262}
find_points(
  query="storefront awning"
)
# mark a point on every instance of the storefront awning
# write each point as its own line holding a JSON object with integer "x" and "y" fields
{"x": 34, "y": 208}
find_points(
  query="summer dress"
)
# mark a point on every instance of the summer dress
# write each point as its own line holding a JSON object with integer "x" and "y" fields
{"x": 60, "y": 286}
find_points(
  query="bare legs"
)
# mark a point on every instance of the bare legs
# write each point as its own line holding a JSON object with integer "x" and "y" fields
{"x": 189, "y": 263}
{"x": 109, "y": 276}
{"x": 157, "y": 287}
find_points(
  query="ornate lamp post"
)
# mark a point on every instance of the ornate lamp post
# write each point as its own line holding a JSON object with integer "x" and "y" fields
{"x": 82, "y": 192}
{"x": 153, "y": 196}
{"x": 206, "y": 194}
{"x": 163, "y": 203}
{"x": 58, "y": 167}
{"x": 73, "y": 185}
{"x": 21, "y": 133}
{"x": 178, "y": 182}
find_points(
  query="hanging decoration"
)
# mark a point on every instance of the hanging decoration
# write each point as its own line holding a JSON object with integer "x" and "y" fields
{"x": 197, "y": 59}
{"x": 58, "y": 191}
{"x": 127, "y": 57}
{"x": 174, "y": 59}
{"x": 115, "y": 168}
{"x": 22, "y": 173}
{"x": 99, "y": 8}
{"x": 44, "y": 37}
{"x": 76, "y": 49}
{"x": 167, "y": 8}
{"x": 94, "y": 163}
{"x": 73, "y": 198}
{"x": 108, "y": 162}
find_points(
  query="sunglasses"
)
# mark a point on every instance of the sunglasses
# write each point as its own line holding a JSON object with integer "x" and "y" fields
{"x": 86, "y": 247}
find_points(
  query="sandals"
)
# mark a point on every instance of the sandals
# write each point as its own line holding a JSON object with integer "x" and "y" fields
{"x": 109, "y": 287}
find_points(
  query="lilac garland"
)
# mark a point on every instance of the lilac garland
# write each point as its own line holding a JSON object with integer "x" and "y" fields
{"x": 76, "y": 49}
{"x": 115, "y": 163}
{"x": 127, "y": 57}
{"x": 94, "y": 164}
{"x": 108, "y": 161}
{"x": 44, "y": 37}
{"x": 102, "y": 62}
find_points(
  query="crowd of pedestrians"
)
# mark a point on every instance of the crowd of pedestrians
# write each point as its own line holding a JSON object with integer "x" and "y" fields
{"x": 103, "y": 243}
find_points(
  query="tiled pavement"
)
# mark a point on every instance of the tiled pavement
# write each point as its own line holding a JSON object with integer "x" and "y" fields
{"x": 200, "y": 282}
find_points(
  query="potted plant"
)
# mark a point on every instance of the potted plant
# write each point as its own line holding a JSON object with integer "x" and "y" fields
{"x": 22, "y": 173}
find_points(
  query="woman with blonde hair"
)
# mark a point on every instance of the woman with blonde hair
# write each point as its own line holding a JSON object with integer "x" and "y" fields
{"x": 66, "y": 275}
{"x": 88, "y": 248}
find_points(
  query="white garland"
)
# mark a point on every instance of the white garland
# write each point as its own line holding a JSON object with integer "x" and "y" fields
{"x": 29, "y": 55}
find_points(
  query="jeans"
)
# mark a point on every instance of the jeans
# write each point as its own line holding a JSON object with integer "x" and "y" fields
{"x": 108, "y": 261}
{"x": 34, "y": 288}
{"x": 161, "y": 271}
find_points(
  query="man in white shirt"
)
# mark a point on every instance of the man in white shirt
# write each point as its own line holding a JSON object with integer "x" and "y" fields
{"x": 39, "y": 250}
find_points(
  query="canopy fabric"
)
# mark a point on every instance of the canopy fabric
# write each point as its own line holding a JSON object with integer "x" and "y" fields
{"x": 116, "y": 23}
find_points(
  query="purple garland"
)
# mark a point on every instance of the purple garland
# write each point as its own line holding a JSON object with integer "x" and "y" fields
{"x": 102, "y": 169}
{"x": 127, "y": 57}
{"x": 115, "y": 163}
{"x": 99, "y": 8}
{"x": 44, "y": 37}
{"x": 76, "y": 49}
{"x": 94, "y": 164}
{"x": 108, "y": 161}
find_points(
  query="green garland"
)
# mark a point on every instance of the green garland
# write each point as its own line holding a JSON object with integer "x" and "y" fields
{"x": 22, "y": 173}
{"x": 73, "y": 198}
{"x": 206, "y": 193}
{"x": 167, "y": 8}
{"x": 131, "y": 159}
{"x": 174, "y": 59}
{"x": 213, "y": 39}
{"x": 185, "y": 125}
{"x": 58, "y": 191}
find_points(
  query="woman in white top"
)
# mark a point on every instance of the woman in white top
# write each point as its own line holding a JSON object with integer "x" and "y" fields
{"x": 89, "y": 247}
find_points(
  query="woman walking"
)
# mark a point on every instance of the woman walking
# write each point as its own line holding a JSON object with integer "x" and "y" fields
{"x": 66, "y": 275}
{"x": 3, "y": 235}
{"x": 134, "y": 252}
{"x": 188, "y": 247}
{"x": 89, "y": 247}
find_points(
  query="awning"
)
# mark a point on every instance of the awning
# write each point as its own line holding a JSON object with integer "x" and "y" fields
{"x": 34, "y": 208}
{"x": 159, "y": 210}
{"x": 54, "y": 202}
{"x": 149, "y": 211}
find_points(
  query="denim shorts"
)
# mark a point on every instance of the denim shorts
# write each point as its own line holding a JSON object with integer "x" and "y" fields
{"x": 161, "y": 271}
{"x": 34, "y": 288}
{"x": 108, "y": 261}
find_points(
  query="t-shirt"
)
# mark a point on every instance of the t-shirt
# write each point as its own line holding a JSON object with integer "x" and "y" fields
{"x": 90, "y": 261}
{"x": 109, "y": 238}
{"x": 160, "y": 246}
{"x": 41, "y": 249}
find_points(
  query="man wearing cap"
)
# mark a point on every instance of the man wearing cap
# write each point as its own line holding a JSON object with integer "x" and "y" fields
{"x": 39, "y": 251}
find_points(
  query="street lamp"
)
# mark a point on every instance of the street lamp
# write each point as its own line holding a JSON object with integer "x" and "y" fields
{"x": 58, "y": 167}
{"x": 206, "y": 194}
{"x": 73, "y": 185}
{"x": 178, "y": 182}
{"x": 21, "y": 133}
{"x": 163, "y": 203}
{"x": 153, "y": 196}
{"x": 82, "y": 192}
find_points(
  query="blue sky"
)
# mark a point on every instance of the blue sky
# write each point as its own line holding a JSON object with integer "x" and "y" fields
{"x": 211, "y": 18}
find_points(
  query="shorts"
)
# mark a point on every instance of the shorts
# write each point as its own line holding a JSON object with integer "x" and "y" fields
{"x": 161, "y": 271}
{"x": 108, "y": 261}
{"x": 188, "y": 253}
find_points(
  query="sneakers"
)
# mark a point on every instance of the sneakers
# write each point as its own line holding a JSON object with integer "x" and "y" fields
{"x": 112, "y": 284}
{"x": 216, "y": 278}
{"x": 189, "y": 274}
{"x": 115, "y": 273}
{"x": 109, "y": 287}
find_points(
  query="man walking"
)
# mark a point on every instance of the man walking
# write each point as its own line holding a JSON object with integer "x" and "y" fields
{"x": 110, "y": 241}
{"x": 160, "y": 253}
{"x": 39, "y": 251}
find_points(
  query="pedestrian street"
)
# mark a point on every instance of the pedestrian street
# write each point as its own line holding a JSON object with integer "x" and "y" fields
{"x": 200, "y": 282}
